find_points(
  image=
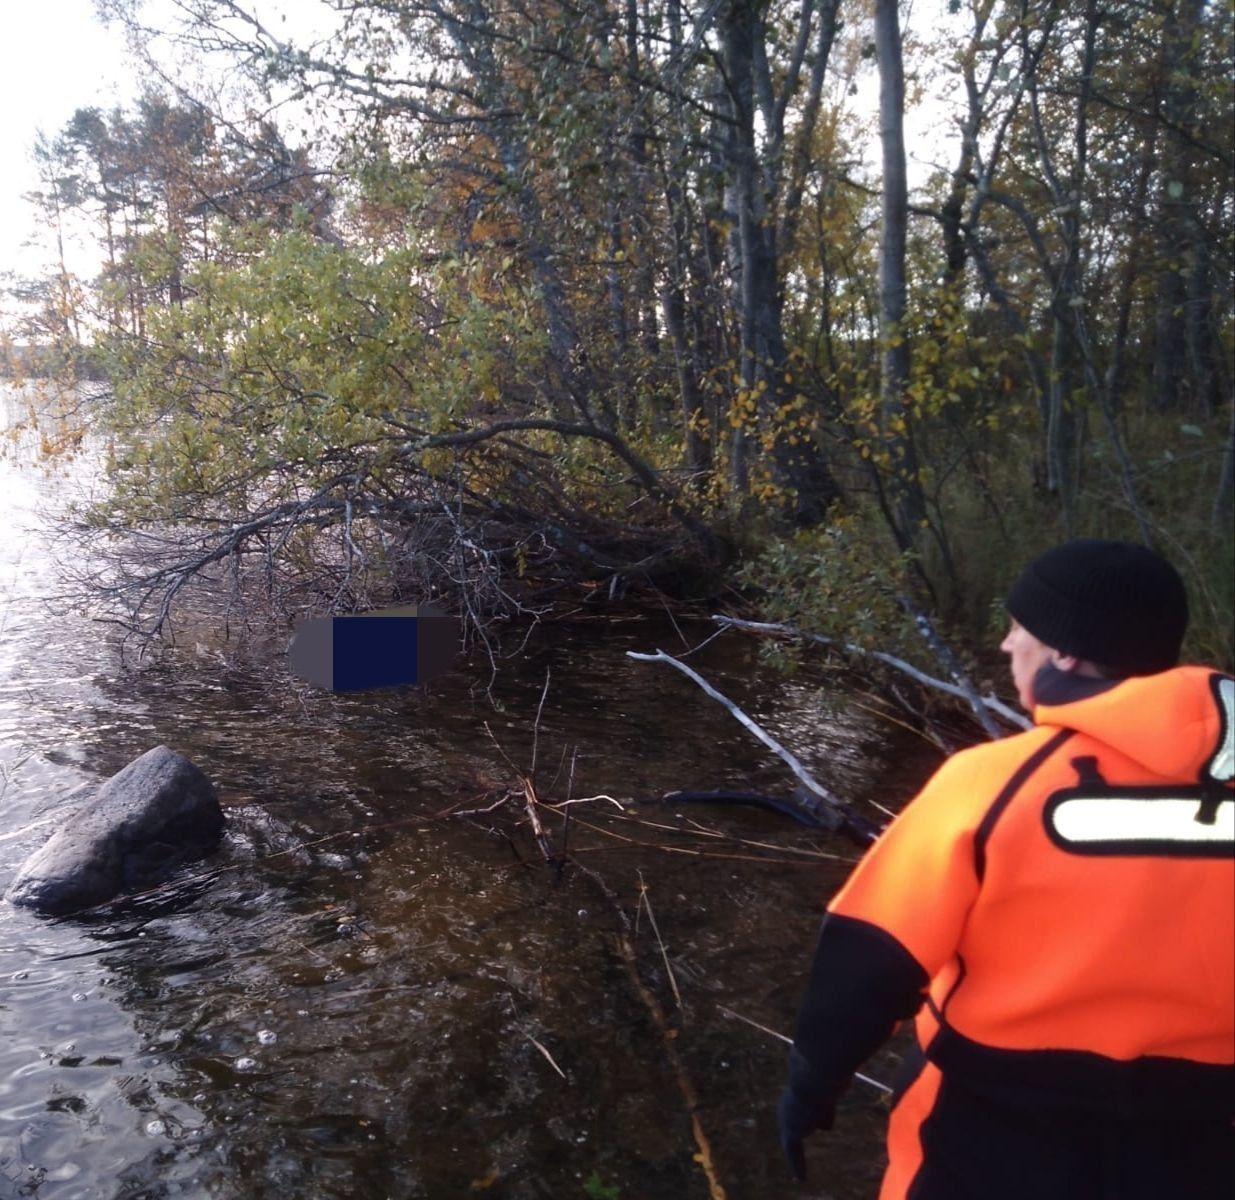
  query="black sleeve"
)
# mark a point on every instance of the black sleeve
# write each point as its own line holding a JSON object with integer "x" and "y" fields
{"x": 862, "y": 983}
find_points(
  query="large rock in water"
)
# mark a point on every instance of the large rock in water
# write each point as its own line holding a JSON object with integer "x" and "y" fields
{"x": 158, "y": 812}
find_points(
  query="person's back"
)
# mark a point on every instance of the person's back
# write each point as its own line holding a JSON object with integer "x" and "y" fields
{"x": 1066, "y": 900}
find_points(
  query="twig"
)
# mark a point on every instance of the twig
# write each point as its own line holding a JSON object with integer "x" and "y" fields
{"x": 931, "y": 734}
{"x": 476, "y": 812}
{"x": 543, "y": 840}
{"x": 701, "y": 830}
{"x": 536, "y": 725}
{"x": 558, "y": 805}
{"x": 7, "y": 770}
{"x": 927, "y": 735}
{"x": 669, "y": 614}
{"x": 548, "y": 1056}
{"x": 668, "y": 1036}
{"x": 500, "y": 750}
{"x": 755, "y": 858}
{"x": 875, "y": 1083}
{"x": 780, "y": 1037}
{"x": 646, "y": 903}
{"x": 561, "y": 762}
{"x": 570, "y": 787}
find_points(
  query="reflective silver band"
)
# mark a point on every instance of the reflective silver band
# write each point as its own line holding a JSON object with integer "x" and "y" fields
{"x": 1222, "y": 765}
{"x": 1091, "y": 820}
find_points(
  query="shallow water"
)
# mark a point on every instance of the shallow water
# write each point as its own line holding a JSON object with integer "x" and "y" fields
{"x": 359, "y": 997}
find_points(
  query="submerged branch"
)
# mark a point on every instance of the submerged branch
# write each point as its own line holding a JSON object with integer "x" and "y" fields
{"x": 668, "y": 1034}
{"x": 831, "y": 812}
{"x": 993, "y": 703}
{"x": 791, "y": 760}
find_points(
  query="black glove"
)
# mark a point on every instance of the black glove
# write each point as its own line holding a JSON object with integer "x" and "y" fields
{"x": 798, "y": 1115}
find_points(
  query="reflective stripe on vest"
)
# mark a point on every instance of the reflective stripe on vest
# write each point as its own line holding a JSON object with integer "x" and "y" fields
{"x": 1221, "y": 768}
{"x": 1138, "y": 822}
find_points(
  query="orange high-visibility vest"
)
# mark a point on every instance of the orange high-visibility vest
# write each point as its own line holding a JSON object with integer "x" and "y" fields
{"x": 1058, "y": 888}
{"x": 1070, "y": 895}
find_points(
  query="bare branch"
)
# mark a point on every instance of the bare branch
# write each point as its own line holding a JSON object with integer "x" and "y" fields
{"x": 992, "y": 702}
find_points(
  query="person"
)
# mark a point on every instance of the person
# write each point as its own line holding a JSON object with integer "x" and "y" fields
{"x": 1057, "y": 911}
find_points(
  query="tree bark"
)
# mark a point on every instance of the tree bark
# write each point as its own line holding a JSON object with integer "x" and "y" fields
{"x": 1181, "y": 340}
{"x": 908, "y": 507}
{"x": 798, "y": 465}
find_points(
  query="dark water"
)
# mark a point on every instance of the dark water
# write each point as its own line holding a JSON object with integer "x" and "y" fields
{"x": 358, "y": 997}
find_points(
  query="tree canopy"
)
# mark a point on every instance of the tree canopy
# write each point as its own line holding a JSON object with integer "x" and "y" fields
{"x": 613, "y": 295}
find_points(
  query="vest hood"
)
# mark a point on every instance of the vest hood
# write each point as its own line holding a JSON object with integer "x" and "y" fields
{"x": 1128, "y": 717}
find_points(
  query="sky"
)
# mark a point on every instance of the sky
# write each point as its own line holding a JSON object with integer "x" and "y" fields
{"x": 57, "y": 58}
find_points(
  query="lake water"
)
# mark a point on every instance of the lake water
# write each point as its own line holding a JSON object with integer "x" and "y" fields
{"x": 360, "y": 997}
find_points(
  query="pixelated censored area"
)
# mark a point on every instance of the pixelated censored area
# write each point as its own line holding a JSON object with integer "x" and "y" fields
{"x": 394, "y": 647}
{"x": 374, "y": 652}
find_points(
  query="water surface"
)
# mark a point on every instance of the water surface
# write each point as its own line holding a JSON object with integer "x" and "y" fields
{"x": 361, "y": 997}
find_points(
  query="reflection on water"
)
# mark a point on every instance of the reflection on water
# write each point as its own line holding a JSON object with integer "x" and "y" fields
{"x": 356, "y": 997}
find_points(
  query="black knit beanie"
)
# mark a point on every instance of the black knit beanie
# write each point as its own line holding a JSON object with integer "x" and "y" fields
{"x": 1115, "y": 604}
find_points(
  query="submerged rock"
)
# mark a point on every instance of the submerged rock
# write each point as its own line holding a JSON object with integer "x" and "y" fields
{"x": 156, "y": 813}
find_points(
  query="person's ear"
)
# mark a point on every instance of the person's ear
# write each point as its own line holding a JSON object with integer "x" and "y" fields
{"x": 1064, "y": 662}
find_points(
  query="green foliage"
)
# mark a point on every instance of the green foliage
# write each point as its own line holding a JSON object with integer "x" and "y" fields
{"x": 840, "y": 582}
{"x": 303, "y": 363}
{"x": 594, "y": 1188}
{"x": 574, "y": 218}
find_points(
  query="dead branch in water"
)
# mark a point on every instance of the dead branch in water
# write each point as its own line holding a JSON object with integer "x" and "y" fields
{"x": 791, "y": 760}
{"x": 547, "y": 1055}
{"x": 667, "y": 1030}
{"x": 982, "y": 706}
{"x": 645, "y": 905}
{"x": 540, "y": 708}
{"x": 832, "y": 813}
{"x": 543, "y": 841}
{"x": 476, "y": 812}
{"x": 668, "y": 1035}
{"x": 630, "y": 960}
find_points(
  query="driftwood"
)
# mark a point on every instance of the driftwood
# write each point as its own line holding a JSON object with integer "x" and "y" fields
{"x": 821, "y": 804}
{"x": 982, "y": 706}
{"x": 794, "y": 763}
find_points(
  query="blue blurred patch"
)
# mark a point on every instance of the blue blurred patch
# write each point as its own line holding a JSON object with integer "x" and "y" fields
{"x": 390, "y": 647}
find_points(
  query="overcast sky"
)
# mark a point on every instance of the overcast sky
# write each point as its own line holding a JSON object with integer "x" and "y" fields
{"x": 57, "y": 58}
